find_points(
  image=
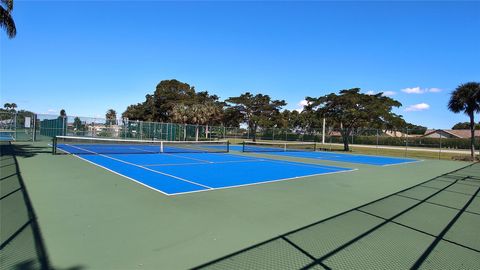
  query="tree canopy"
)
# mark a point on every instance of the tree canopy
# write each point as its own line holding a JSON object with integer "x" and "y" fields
{"x": 111, "y": 117}
{"x": 415, "y": 129}
{"x": 466, "y": 98}
{"x": 165, "y": 103}
{"x": 256, "y": 110}
{"x": 11, "y": 107}
{"x": 78, "y": 125}
{"x": 6, "y": 20}
{"x": 465, "y": 125}
{"x": 351, "y": 110}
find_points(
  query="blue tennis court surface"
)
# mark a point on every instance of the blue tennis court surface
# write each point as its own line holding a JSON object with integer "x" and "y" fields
{"x": 340, "y": 157}
{"x": 7, "y": 136}
{"x": 179, "y": 173}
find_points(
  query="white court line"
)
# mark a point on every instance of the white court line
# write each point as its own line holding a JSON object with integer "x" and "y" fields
{"x": 145, "y": 168}
{"x": 143, "y": 150}
{"x": 401, "y": 163}
{"x": 212, "y": 188}
{"x": 305, "y": 164}
{"x": 197, "y": 159}
{"x": 203, "y": 163}
{"x": 117, "y": 173}
{"x": 263, "y": 182}
{"x": 347, "y": 161}
{"x": 174, "y": 164}
{"x": 129, "y": 178}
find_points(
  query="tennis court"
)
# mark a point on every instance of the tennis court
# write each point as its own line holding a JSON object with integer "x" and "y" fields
{"x": 307, "y": 150}
{"x": 176, "y": 168}
{"x": 319, "y": 217}
{"x": 7, "y": 135}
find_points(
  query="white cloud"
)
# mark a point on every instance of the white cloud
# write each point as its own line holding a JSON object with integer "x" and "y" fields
{"x": 300, "y": 105}
{"x": 385, "y": 93}
{"x": 418, "y": 90}
{"x": 434, "y": 90}
{"x": 303, "y": 103}
{"x": 389, "y": 93}
{"x": 417, "y": 107}
{"x": 413, "y": 90}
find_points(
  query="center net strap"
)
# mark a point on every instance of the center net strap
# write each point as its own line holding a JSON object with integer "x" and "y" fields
{"x": 250, "y": 146}
{"x": 88, "y": 145}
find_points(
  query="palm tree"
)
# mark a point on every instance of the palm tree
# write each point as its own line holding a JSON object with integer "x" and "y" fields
{"x": 198, "y": 116}
{"x": 466, "y": 98}
{"x": 111, "y": 117}
{"x": 6, "y": 20}
{"x": 10, "y": 107}
{"x": 180, "y": 115}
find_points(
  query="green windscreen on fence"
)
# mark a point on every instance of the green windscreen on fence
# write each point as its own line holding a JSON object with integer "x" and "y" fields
{"x": 53, "y": 127}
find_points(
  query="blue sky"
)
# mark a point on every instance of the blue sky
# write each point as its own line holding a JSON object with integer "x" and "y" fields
{"x": 87, "y": 57}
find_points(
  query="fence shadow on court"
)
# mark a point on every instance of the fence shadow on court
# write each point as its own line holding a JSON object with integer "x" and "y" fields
{"x": 26, "y": 150}
{"x": 21, "y": 245}
{"x": 432, "y": 225}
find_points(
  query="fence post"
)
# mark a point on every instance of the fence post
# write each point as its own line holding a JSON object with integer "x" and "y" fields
{"x": 440, "y": 148}
{"x": 406, "y": 141}
{"x": 184, "y": 132}
{"x": 330, "y": 143}
{"x": 15, "y": 124}
{"x": 34, "y": 116}
{"x": 323, "y": 131}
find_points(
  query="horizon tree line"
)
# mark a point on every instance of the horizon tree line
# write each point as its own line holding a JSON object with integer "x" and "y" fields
{"x": 348, "y": 111}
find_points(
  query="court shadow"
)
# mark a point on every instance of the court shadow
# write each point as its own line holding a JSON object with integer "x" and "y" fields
{"x": 21, "y": 244}
{"x": 25, "y": 150}
{"x": 32, "y": 265}
{"x": 393, "y": 232}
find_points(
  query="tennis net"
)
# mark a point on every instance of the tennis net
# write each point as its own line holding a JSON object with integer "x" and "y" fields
{"x": 87, "y": 145}
{"x": 250, "y": 146}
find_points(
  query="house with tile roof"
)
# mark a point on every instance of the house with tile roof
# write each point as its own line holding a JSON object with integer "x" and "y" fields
{"x": 449, "y": 133}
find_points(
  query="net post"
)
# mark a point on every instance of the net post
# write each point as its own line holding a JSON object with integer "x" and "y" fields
{"x": 243, "y": 146}
{"x": 54, "y": 145}
{"x": 228, "y": 146}
{"x": 161, "y": 147}
{"x": 285, "y": 147}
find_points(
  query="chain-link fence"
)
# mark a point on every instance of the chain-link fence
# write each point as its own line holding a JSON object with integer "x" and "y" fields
{"x": 438, "y": 143}
{"x": 49, "y": 126}
{"x": 19, "y": 126}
